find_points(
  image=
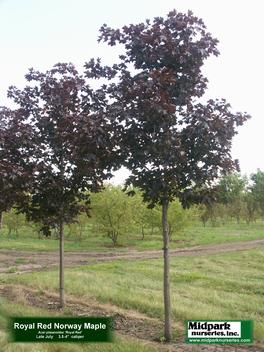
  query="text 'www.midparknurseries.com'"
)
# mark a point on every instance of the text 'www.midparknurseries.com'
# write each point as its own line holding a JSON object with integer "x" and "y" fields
{"x": 219, "y": 331}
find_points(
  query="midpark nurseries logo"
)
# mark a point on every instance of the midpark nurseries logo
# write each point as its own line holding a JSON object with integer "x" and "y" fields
{"x": 226, "y": 332}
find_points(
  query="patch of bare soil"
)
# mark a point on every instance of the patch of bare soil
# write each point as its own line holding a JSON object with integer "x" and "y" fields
{"x": 21, "y": 261}
{"x": 126, "y": 322}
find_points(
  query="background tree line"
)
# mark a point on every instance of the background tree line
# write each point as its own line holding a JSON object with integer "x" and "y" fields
{"x": 116, "y": 214}
{"x": 113, "y": 213}
{"x": 237, "y": 197}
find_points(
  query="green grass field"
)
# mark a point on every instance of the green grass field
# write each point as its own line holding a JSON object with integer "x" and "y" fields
{"x": 222, "y": 286}
{"x": 90, "y": 241}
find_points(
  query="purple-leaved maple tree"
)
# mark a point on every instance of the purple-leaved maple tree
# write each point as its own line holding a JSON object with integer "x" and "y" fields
{"x": 14, "y": 179}
{"x": 72, "y": 149}
{"x": 174, "y": 144}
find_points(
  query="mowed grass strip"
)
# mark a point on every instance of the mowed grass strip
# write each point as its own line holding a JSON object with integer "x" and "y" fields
{"x": 120, "y": 344}
{"x": 222, "y": 286}
{"x": 229, "y": 232}
{"x": 193, "y": 235}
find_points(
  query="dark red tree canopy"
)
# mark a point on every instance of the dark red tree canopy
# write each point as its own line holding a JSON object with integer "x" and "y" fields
{"x": 173, "y": 144}
{"x": 66, "y": 136}
{"x": 14, "y": 178}
{"x": 69, "y": 150}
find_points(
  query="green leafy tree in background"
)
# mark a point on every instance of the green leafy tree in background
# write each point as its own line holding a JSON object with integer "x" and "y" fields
{"x": 111, "y": 210}
{"x": 232, "y": 188}
{"x": 179, "y": 218}
{"x": 14, "y": 222}
{"x": 251, "y": 210}
{"x": 145, "y": 218}
{"x": 78, "y": 227}
{"x": 149, "y": 218}
{"x": 257, "y": 190}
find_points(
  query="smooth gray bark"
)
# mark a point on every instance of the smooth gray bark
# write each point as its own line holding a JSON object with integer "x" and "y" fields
{"x": 166, "y": 276}
{"x": 61, "y": 271}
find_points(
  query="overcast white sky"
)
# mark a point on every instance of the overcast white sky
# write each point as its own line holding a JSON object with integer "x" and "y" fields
{"x": 40, "y": 33}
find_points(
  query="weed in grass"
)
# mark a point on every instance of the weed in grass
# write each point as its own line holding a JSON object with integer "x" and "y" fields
{"x": 40, "y": 292}
{"x": 12, "y": 270}
{"x": 22, "y": 261}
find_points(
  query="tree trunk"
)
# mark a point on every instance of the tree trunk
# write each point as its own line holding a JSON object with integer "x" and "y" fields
{"x": 143, "y": 233}
{"x": 166, "y": 277}
{"x": 61, "y": 236}
{"x": 1, "y": 220}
